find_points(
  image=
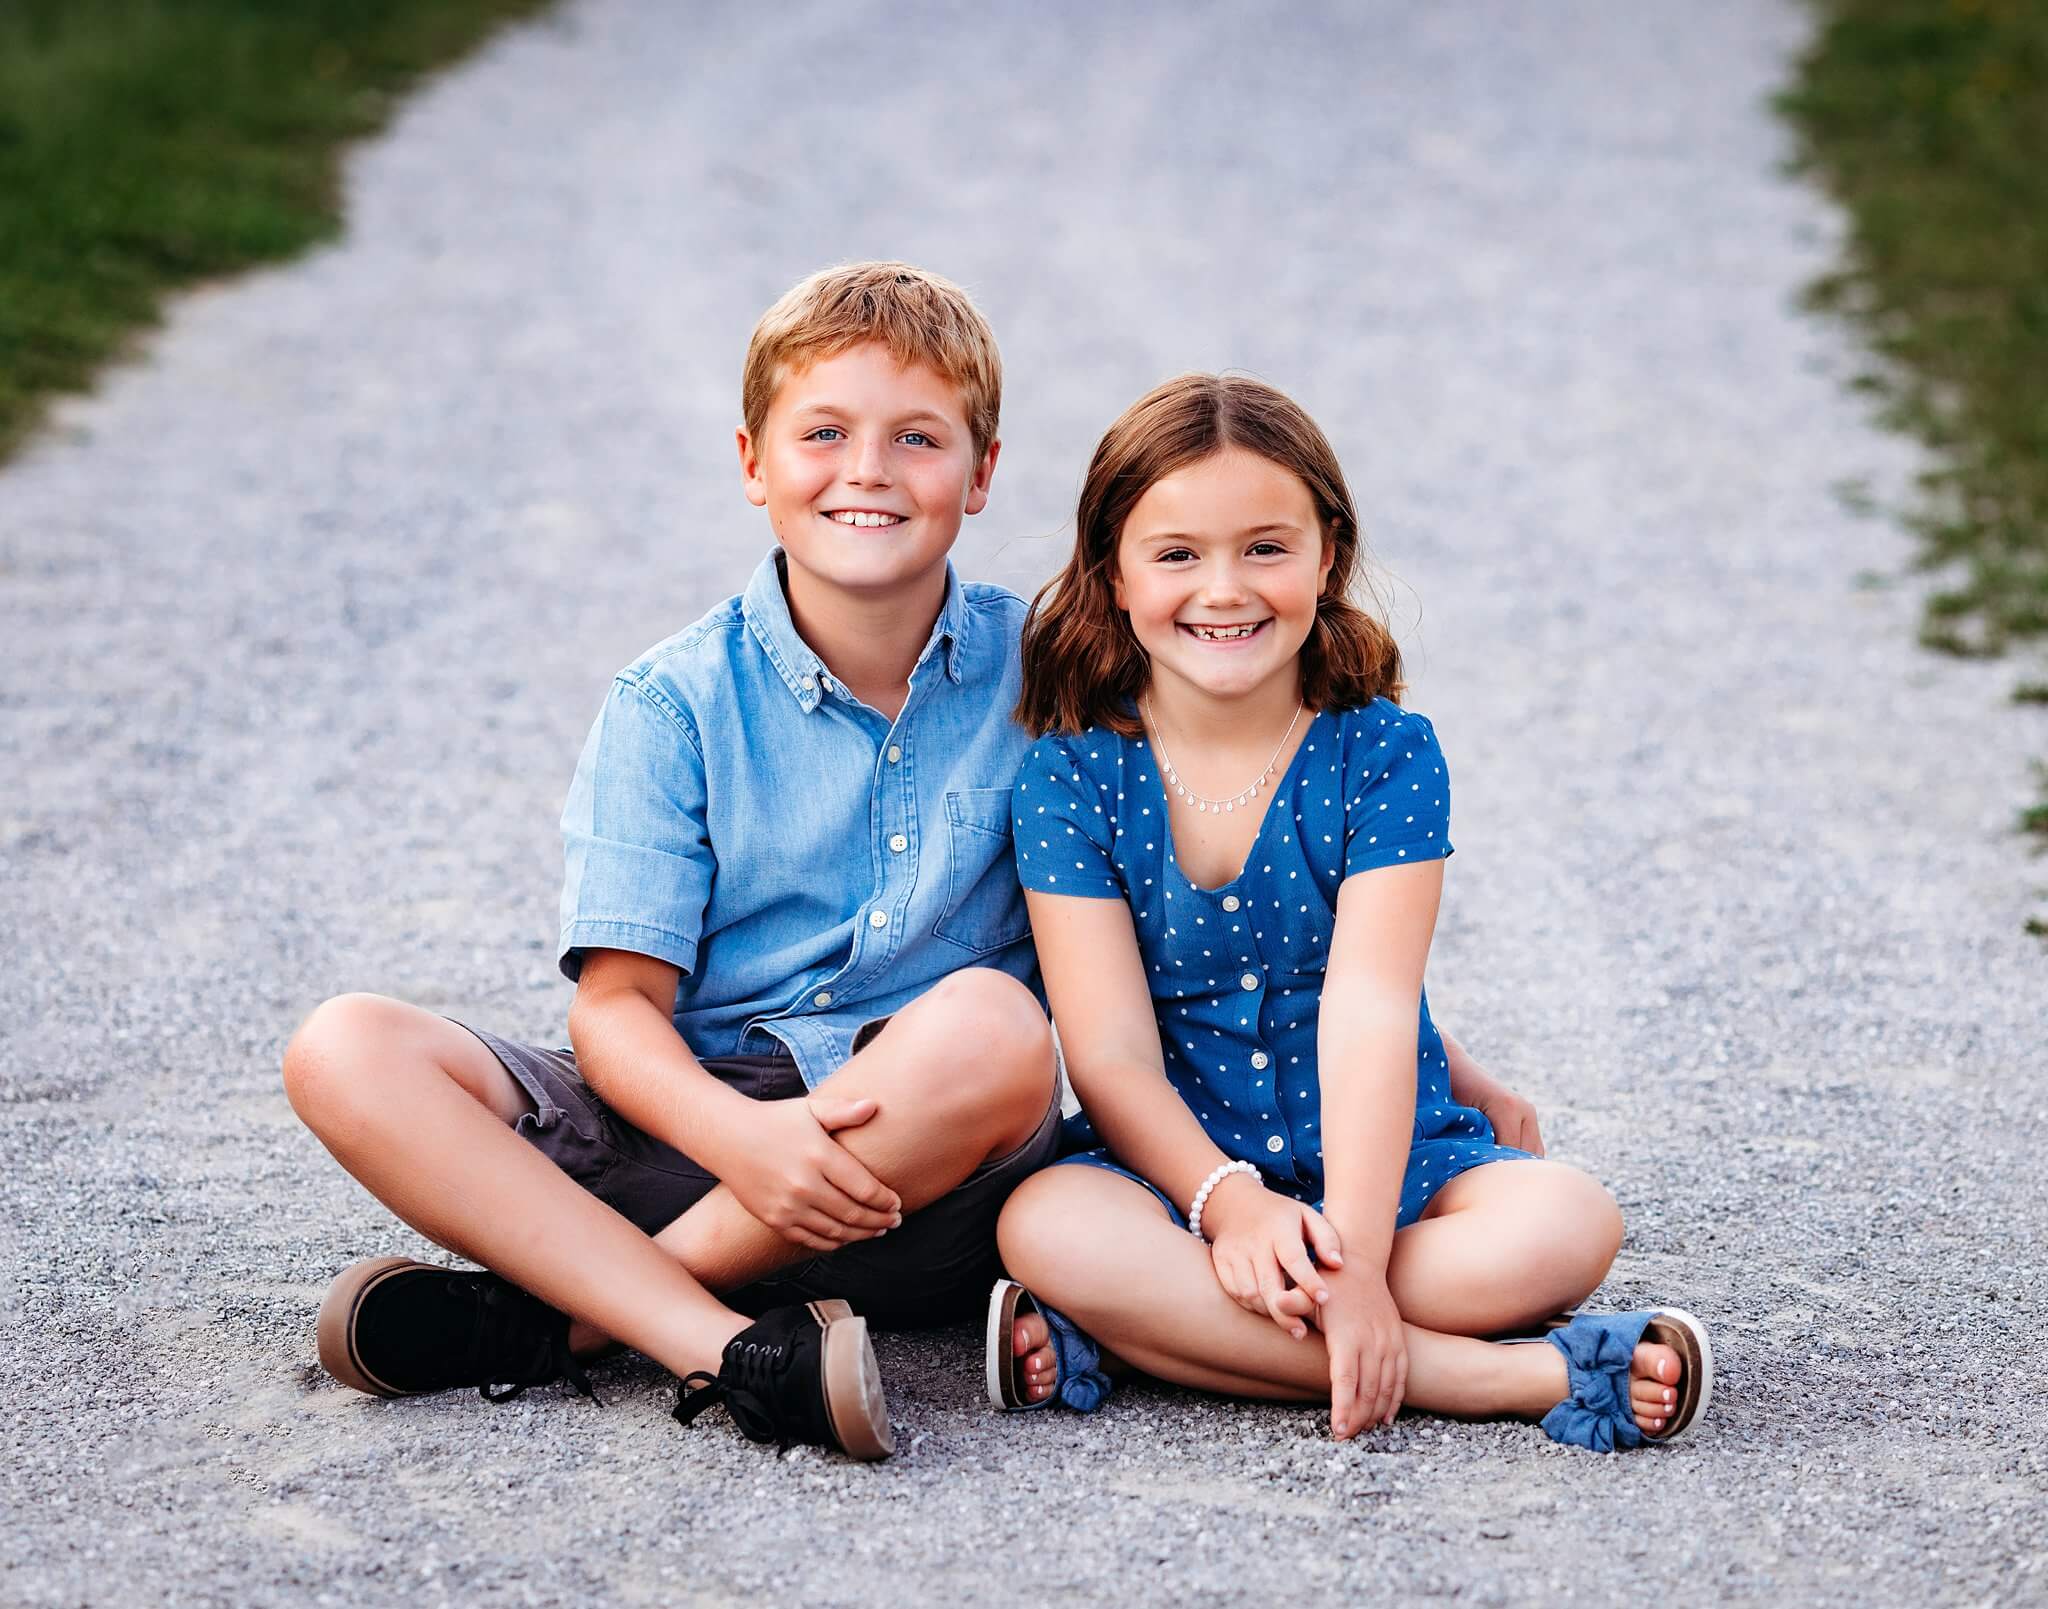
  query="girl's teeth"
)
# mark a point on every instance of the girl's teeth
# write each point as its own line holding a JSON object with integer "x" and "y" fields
{"x": 1229, "y": 634}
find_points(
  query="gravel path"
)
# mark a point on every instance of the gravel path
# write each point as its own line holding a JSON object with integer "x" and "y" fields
{"x": 304, "y": 616}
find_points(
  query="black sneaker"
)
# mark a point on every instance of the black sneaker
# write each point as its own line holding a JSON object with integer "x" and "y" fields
{"x": 395, "y": 1328}
{"x": 799, "y": 1374}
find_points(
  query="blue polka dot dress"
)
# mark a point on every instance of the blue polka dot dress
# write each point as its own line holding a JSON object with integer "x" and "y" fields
{"x": 1237, "y": 972}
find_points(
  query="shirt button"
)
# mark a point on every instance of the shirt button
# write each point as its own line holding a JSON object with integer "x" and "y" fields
{"x": 895, "y": 754}
{"x": 1276, "y": 1145}
{"x": 824, "y": 998}
{"x": 878, "y": 918}
{"x": 898, "y": 842}
{"x": 1250, "y": 980}
{"x": 1231, "y": 902}
{"x": 810, "y": 684}
{"x": 1259, "y": 1059}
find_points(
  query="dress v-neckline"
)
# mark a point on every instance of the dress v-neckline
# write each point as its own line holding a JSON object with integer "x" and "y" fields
{"x": 1278, "y": 793}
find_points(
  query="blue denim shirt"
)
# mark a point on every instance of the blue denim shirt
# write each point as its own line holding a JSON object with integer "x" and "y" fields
{"x": 809, "y": 864}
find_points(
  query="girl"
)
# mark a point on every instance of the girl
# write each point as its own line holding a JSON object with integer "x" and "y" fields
{"x": 1231, "y": 838}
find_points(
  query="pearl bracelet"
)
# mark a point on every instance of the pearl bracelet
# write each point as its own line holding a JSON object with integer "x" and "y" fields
{"x": 1208, "y": 1185}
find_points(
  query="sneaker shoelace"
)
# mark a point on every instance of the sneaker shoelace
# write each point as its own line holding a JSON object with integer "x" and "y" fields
{"x": 503, "y": 1307}
{"x": 746, "y": 1383}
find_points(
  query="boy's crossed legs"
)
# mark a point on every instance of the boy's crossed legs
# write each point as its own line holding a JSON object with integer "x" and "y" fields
{"x": 424, "y": 1115}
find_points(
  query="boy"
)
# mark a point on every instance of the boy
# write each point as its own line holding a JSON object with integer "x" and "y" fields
{"x": 808, "y": 1061}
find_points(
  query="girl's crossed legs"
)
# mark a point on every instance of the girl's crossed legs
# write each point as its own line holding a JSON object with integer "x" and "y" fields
{"x": 1500, "y": 1247}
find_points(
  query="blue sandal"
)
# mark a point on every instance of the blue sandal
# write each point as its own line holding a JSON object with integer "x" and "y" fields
{"x": 1598, "y": 1350}
{"x": 1078, "y": 1380}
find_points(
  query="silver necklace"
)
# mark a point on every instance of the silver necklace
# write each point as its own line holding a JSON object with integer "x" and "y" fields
{"x": 1182, "y": 790}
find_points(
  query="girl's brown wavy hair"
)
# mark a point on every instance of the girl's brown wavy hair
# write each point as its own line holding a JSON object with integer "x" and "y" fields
{"x": 1082, "y": 664}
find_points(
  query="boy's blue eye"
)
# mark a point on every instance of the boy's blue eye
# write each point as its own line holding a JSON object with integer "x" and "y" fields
{"x": 917, "y": 438}
{"x": 824, "y": 431}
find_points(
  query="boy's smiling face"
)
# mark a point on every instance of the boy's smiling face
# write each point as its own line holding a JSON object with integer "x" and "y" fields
{"x": 866, "y": 467}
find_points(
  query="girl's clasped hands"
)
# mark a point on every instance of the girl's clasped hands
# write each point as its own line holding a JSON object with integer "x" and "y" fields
{"x": 1283, "y": 1260}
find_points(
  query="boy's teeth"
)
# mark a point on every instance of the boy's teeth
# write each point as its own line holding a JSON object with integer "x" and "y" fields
{"x": 856, "y": 517}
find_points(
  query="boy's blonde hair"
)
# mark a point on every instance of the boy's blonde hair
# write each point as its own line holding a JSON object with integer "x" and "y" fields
{"x": 918, "y": 316}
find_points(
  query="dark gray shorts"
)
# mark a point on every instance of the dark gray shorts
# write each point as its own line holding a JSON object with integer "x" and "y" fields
{"x": 934, "y": 1269}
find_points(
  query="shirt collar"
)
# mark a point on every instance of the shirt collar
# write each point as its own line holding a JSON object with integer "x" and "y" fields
{"x": 765, "y": 607}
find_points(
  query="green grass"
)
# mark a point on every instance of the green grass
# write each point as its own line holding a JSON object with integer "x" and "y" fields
{"x": 147, "y": 144}
{"x": 1928, "y": 119}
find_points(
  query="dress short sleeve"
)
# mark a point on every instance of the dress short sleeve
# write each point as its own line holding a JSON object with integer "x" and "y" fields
{"x": 638, "y": 863}
{"x": 1061, "y": 821}
{"x": 1397, "y": 791}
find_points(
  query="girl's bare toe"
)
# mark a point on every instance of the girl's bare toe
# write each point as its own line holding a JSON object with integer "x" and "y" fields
{"x": 1653, "y": 1386}
{"x": 1654, "y": 1362}
{"x": 1033, "y": 1341}
{"x": 1030, "y": 1334}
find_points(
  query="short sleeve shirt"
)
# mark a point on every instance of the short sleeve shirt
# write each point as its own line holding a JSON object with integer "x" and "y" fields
{"x": 807, "y": 863}
{"x": 1236, "y": 972}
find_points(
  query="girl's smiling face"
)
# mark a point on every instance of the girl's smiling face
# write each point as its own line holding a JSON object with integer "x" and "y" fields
{"x": 1219, "y": 566}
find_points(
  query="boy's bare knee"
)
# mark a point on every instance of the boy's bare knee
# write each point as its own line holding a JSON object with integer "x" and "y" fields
{"x": 996, "y": 1031}
{"x": 1008, "y": 1024}
{"x": 322, "y": 1063}
{"x": 983, "y": 1001}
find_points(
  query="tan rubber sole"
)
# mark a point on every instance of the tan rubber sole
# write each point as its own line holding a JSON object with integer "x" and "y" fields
{"x": 854, "y": 1404}
{"x": 337, "y": 1327}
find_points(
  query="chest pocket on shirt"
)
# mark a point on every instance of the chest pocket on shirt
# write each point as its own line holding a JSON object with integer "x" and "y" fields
{"x": 984, "y": 902}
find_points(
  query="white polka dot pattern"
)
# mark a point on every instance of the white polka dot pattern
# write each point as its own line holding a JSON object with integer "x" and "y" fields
{"x": 1367, "y": 788}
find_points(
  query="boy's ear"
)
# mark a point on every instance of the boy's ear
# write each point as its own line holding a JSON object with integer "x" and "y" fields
{"x": 750, "y": 469}
{"x": 977, "y": 489}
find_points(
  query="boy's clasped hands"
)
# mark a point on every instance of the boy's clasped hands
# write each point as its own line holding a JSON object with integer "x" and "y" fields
{"x": 793, "y": 1175}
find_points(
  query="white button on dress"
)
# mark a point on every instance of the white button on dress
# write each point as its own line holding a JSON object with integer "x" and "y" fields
{"x": 1250, "y": 980}
{"x": 1276, "y": 1145}
{"x": 1231, "y": 902}
{"x": 1260, "y": 1059}
{"x": 878, "y": 918}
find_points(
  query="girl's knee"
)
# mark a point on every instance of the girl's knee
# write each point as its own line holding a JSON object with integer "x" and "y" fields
{"x": 1593, "y": 1213}
{"x": 1033, "y": 1226}
{"x": 1585, "y": 1219}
